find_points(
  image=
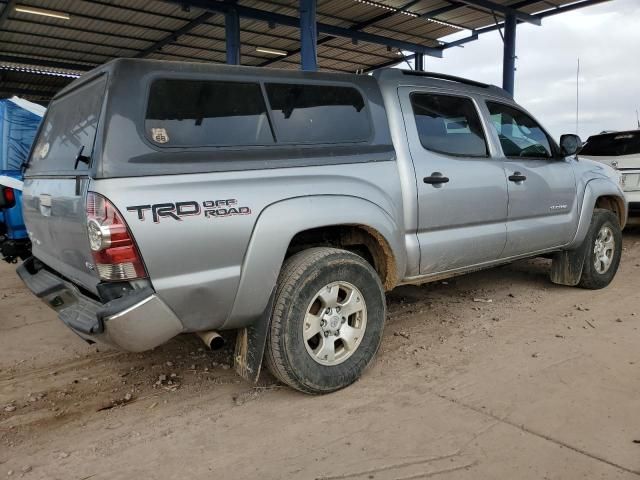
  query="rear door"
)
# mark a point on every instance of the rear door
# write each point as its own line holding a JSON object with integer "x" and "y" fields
{"x": 542, "y": 187}
{"x": 462, "y": 190}
{"x": 56, "y": 183}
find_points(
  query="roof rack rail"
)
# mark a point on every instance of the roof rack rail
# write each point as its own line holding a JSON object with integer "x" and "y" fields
{"x": 451, "y": 78}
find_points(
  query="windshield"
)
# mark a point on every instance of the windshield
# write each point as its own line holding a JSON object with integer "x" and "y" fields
{"x": 612, "y": 145}
{"x": 69, "y": 126}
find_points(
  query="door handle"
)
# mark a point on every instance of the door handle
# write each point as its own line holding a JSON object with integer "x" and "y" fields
{"x": 436, "y": 179}
{"x": 517, "y": 177}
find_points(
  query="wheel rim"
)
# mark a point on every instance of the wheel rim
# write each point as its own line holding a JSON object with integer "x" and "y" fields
{"x": 603, "y": 250}
{"x": 334, "y": 323}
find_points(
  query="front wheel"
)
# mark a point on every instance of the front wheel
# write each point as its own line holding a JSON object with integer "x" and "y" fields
{"x": 327, "y": 320}
{"x": 604, "y": 249}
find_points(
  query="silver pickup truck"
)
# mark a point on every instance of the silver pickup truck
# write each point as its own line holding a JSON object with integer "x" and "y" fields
{"x": 163, "y": 198}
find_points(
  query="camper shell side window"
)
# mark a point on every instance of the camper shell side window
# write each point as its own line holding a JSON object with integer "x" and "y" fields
{"x": 227, "y": 113}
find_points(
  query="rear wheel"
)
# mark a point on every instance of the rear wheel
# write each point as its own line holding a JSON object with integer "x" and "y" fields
{"x": 327, "y": 321}
{"x": 604, "y": 249}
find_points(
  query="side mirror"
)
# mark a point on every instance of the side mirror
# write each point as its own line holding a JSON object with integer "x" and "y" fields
{"x": 570, "y": 144}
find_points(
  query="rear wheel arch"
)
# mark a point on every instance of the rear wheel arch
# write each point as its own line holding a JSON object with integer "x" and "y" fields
{"x": 282, "y": 222}
{"x": 360, "y": 239}
{"x": 308, "y": 346}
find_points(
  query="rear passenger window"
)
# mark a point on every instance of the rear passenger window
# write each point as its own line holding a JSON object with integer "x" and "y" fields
{"x": 448, "y": 125}
{"x": 318, "y": 113}
{"x": 205, "y": 113}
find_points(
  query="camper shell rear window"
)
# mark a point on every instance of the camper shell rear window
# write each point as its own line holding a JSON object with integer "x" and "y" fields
{"x": 69, "y": 130}
{"x": 201, "y": 113}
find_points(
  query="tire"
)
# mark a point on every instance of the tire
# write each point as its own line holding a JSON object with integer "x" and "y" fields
{"x": 598, "y": 273}
{"x": 308, "y": 284}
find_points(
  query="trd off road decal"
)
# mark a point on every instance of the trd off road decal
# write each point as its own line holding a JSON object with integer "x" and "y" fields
{"x": 210, "y": 208}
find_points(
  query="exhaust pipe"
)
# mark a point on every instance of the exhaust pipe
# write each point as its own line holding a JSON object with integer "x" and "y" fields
{"x": 212, "y": 339}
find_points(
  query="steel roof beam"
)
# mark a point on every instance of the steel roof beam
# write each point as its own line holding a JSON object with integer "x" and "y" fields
{"x": 308, "y": 35}
{"x": 32, "y": 35}
{"x": 10, "y": 5}
{"x": 461, "y": 41}
{"x": 454, "y": 5}
{"x": 232, "y": 37}
{"x": 39, "y": 62}
{"x": 440, "y": 11}
{"x": 541, "y": 15}
{"x": 357, "y": 26}
{"x": 509, "y": 54}
{"x": 568, "y": 8}
{"x": 172, "y": 37}
{"x": 138, "y": 39}
{"x": 433, "y": 14}
{"x": 294, "y": 22}
{"x": 49, "y": 62}
{"x": 505, "y": 10}
{"x": 491, "y": 28}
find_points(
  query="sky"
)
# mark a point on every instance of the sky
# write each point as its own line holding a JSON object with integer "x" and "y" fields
{"x": 605, "y": 37}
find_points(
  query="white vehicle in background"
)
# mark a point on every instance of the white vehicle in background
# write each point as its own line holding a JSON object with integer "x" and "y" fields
{"x": 620, "y": 150}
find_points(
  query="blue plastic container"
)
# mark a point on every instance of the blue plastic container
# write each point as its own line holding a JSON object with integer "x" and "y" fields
{"x": 19, "y": 121}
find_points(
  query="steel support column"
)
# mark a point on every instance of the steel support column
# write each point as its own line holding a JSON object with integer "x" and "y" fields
{"x": 232, "y": 35}
{"x": 308, "y": 36}
{"x": 509, "y": 54}
{"x": 419, "y": 61}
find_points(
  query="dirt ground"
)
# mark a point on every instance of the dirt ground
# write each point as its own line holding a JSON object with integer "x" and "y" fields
{"x": 494, "y": 375}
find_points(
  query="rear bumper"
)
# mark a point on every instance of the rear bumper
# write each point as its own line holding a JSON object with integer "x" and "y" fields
{"x": 136, "y": 322}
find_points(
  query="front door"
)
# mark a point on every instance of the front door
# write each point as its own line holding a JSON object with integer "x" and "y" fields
{"x": 462, "y": 190}
{"x": 542, "y": 187}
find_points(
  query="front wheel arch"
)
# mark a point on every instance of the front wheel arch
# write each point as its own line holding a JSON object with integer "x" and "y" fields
{"x": 609, "y": 195}
{"x": 571, "y": 267}
{"x": 592, "y": 278}
{"x": 614, "y": 204}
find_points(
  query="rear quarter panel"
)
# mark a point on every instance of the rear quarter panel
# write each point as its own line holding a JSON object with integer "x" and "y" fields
{"x": 196, "y": 263}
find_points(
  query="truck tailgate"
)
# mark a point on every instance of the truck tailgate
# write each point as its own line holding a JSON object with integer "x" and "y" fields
{"x": 57, "y": 178}
{"x": 55, "y": 214}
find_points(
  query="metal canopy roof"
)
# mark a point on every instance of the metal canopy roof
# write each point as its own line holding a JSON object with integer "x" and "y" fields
{"x": 40, "y": 54}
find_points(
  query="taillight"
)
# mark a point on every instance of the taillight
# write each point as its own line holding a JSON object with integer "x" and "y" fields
{"x": 114, "y": 250}
{"x": 8, "y": 196}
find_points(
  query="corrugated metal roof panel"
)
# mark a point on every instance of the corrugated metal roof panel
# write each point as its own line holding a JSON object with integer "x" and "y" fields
{"x": 99, "y": 30}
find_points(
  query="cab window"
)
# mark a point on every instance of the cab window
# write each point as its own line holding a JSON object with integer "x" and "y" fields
{"x": 448, "y": 124}
{"x": 520, "y": 135}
